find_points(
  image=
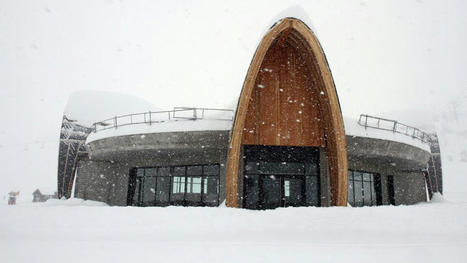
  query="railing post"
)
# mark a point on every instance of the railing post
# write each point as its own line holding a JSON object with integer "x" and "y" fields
{"x": 194, "y": 114}
{"x": 115, "y": 122}
{"x": 395, "y": 126}
{"x": 169, "y": 114}
{"x": 366, "y": 121}
{"x": 150, "y": 118}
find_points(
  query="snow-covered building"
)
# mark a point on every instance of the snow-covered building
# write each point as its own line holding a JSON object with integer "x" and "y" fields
{"x": 286, "y": 143}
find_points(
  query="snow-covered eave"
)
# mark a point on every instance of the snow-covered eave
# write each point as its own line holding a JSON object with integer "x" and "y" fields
{"x": 352, "y": 128}
{"x": 163, "y": 127}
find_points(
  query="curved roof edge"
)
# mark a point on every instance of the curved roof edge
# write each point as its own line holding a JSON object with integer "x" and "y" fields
{"x": 352, "y": 128}
{"x": 163, "y": 127}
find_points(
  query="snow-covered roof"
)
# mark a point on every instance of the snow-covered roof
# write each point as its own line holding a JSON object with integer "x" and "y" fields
{"x": 352, "y": 128}
{"x": 168, "y": 126}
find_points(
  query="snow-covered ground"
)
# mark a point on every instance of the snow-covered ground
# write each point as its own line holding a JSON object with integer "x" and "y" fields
{"x": 77, "y": 231}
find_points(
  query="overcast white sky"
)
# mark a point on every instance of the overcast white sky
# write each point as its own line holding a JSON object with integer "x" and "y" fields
{"x": 385, "y": 56}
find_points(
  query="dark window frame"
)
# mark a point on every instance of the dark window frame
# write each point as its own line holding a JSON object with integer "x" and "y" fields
{"x": 134, "y": 176}
{"x": 308, "y": 156}
{"x": 375, "y": 187}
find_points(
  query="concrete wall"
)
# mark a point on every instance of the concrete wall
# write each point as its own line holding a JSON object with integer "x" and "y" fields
{"x": 104, "y": 174}
{"x": 103, "y": 181}
{"x": 409, "y": 189}
{"x": 403, "y": 161}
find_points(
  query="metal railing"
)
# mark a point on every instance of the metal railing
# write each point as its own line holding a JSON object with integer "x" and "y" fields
{"x": 151, "y": 117}
{"x": 368, "y": 121}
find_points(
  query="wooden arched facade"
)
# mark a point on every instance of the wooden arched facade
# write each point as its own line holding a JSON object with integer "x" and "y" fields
{"x": 289, "y": 99}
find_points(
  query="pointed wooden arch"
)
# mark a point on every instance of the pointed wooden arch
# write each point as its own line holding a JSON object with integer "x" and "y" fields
{"x": 335, "y": 142}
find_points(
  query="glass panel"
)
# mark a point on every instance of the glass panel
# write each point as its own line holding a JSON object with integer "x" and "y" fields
{"x": 162, "y": 189}
{"x": 366, "y": 176}
{"x": 163, "y": 171}
{"x": 271, "y": 191}
{"x": 350, "y": 197}
{"x": 358, "y": 188}
{"x": 140, "y": 172}
{"x": 252, "y": 167}
{"x": 194, "y": 185}
{"x": 193, "y": 190}
{"x": 194, "y": 170}
{"x": 363, "y": 193}
{"x": 251, "y": 191}
{"x": 357, "y": 176}
{"x": 150, "y": 172}
{"x": 366, "y": 193}
{"x": 211, "y": 190}
{"x": 205, "y": 185}
{"x": 136, "y": 195}
{"x": 178, "y": 170}
{"x": 312, "y": 191}
{"x": 178, "y": 190}
{"x": 373, "y": 195}
{"x": 211, "y": 170}
{"x": 282, "y": 168}
{"x": 294, "y": 194}
{"x": 312, "y": 169}
{"x": 149, "y": 193}
{"x": 178, "y": 185}
{"x": 286, "y": 188}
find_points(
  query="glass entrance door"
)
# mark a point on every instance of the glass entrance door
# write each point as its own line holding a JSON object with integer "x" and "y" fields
{"x": 294, "y": 194}
{"x": 271, "y": 188}
{"x": 276, "y": 176}
{"x": 281, "y": 191}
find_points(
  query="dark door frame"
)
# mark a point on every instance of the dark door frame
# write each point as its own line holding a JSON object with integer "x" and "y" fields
{"x": 282, "y": 178}
{"x": 276, "y": 154}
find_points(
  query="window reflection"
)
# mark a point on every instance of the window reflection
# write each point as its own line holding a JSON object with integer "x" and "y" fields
{"x": 176, "y": 185}
{"x": 361, "y": 190}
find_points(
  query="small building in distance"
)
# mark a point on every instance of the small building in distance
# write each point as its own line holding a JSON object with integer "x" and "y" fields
{"x": 37, "y": 196}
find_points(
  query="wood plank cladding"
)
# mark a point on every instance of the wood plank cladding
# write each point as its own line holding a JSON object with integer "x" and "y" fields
{"x": 284, "y": 108}
{"x": 289, "y": 68}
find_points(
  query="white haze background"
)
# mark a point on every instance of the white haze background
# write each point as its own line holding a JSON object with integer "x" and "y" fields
{"x": 401, "y": 59}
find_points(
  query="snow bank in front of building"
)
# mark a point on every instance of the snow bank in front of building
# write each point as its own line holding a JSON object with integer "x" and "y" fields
{"x": 437, "y": 198}
{"x": 430, "y": 232}
{"x": 352, "y": 128}
{"x": 72, "y": 202}
{"x": 60, "y": 202}
{"x": 168, "y": 126}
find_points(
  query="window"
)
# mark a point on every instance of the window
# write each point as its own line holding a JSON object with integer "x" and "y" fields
{"x": 178, "y": 185}
{"x": 286, "y": 188}
{"x": 175, "y": 185}
{"x": 362, "y": 189}
{"x": 194, "y": 185}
